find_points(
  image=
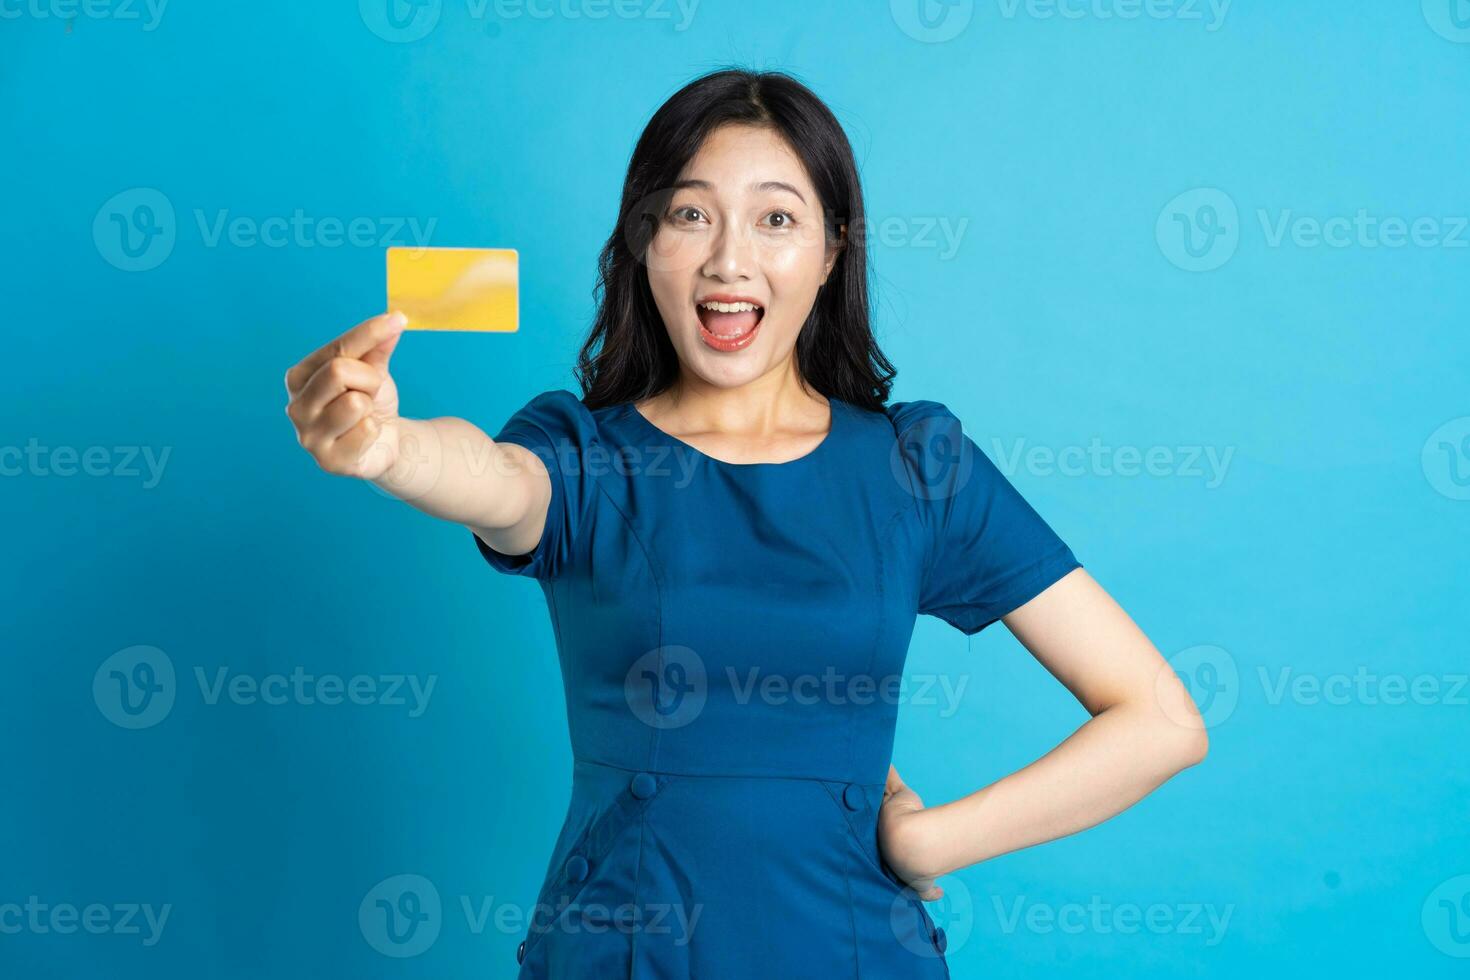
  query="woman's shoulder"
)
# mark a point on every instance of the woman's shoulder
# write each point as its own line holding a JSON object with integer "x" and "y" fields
{"x": 556, "y": 399}
{"x": 905, "y": 415}
{"x": 929, "y": 453}
{"x": 910, "y": 423}
{"x": 559, "y": 414}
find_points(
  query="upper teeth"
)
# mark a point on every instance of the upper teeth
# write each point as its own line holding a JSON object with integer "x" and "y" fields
{"x": 730, "y": 307}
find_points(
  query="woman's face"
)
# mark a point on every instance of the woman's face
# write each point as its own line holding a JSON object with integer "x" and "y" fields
{"x": 743, "y": 224}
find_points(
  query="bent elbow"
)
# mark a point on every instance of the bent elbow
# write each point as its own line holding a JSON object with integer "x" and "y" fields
{"x": 1187, "y": 738}
{"x": 1194, "y": 745}
{"x": 1178, "y": 746}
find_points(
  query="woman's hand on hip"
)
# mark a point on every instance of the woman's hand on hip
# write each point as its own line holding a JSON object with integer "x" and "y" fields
{"x": 906, "y": 837}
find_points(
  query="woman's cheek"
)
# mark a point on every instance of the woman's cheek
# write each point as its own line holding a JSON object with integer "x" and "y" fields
{"x": 794, "y": 275}
{"x": 670, "y": 252}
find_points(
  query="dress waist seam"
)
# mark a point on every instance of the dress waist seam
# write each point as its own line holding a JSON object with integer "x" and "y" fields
{"x": 736, "y": 774}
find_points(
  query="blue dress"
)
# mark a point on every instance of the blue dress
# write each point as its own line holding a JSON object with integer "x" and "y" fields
{"x": 730, "y": 638}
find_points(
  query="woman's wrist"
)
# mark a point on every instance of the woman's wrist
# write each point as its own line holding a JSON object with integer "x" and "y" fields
{"x": 954, "y": 835}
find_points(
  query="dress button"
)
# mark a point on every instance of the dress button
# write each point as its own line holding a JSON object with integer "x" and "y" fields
{"x": 576, "y": 868}
{"x": 521, "y": 952}
{"x": 941, "y": 941}
{"x": 852, "y": 797}
{"x": 643, "y": 786}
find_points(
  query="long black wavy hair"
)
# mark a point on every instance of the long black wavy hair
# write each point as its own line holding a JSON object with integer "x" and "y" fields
{"x": 628, "y": 355}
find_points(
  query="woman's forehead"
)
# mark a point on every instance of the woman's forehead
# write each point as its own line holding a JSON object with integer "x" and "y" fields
{"x": 746, "y": 159}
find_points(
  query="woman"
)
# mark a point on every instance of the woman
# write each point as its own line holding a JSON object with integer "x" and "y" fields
{"x": 731, "y": 516}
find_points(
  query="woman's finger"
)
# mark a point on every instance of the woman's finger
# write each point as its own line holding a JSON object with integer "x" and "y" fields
{"x": 332, "y": 378}
{"x": 348, "y": 449}
{"x": 926, "y": 889}
{"x": 352, "y": 345}
{"x": 345, "y": 411}
{"x": 894, "y": 783}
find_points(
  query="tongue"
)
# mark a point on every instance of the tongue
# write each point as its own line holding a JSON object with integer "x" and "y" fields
{"x": 728, "y": 324}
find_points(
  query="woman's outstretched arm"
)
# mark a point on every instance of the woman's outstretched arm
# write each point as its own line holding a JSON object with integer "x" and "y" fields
{"x": 343, "y": 403}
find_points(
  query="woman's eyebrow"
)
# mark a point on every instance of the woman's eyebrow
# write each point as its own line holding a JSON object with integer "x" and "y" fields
{"x": 759, "y": 186}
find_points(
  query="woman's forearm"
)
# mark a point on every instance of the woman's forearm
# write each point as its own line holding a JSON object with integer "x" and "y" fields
{"x": 1115, "y": 759}
{"x": 450, "y": 469}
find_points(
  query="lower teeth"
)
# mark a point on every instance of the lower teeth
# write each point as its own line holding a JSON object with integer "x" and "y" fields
{"x": 732, "y": 336}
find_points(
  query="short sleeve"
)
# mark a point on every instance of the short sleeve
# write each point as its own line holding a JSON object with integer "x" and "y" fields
{"x": 988, "y": 552}
{"x": 560, "y": 430}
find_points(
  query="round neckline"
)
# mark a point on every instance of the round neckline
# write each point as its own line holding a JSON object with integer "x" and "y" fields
{"x": 835, "y": 407}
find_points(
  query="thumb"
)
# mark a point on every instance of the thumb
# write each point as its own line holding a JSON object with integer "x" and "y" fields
{"x": 379, "y": 356}
{"x": 894, "y": 783}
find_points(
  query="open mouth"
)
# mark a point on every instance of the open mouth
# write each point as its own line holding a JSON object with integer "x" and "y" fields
{"x": 728, "y": 326}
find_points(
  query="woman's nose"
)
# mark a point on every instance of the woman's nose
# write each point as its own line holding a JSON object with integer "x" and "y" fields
{"x": 730, "y": 256}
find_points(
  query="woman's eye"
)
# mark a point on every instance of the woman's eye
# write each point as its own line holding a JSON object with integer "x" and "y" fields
{"x": 786, "y": 219}
{"x": 682, "y": 214}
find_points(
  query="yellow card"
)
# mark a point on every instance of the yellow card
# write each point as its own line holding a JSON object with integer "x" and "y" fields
{"x": 455, "y": 288}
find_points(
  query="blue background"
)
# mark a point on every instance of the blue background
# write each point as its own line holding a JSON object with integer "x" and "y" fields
{"x": 1328, "y": 829}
